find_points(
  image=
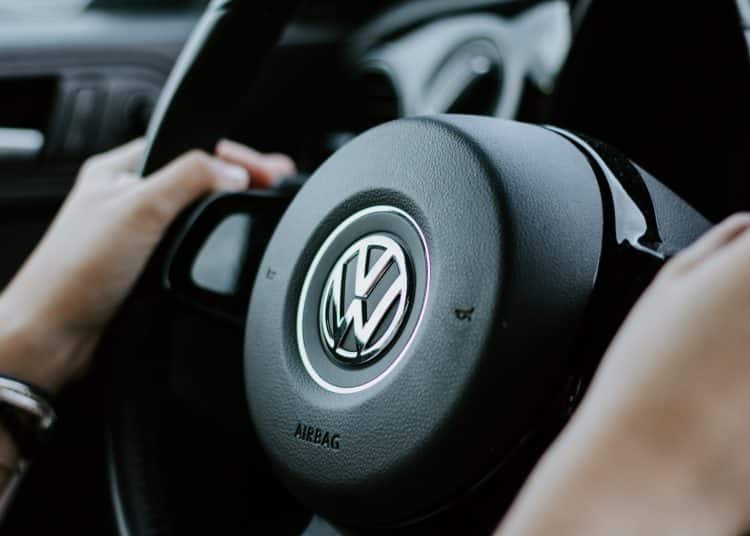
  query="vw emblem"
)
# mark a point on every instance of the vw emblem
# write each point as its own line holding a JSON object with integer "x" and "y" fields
{"x": 365, "y": 299}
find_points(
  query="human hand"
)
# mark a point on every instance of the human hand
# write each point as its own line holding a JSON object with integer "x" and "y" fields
{"x": 55, "y": 309}
{"x": 660, "y": 442}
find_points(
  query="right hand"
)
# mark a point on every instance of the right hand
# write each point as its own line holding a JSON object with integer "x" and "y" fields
{"x": 660, "y": 442}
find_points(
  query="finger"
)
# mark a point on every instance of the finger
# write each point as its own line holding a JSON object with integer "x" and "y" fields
{"x": 126, "y": 179}
{"x": 123, "y": 159}
{"x": 191, "y": 176}
{"x": 710, "y": 243}
{"x": 126, "y": 158}
{"x": 265, "y": 169}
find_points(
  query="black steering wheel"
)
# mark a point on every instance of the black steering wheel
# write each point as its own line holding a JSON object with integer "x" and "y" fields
{"x": 425, "y": 310}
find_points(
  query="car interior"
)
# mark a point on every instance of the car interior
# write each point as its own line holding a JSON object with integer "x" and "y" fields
{"x": 537, "y": 161}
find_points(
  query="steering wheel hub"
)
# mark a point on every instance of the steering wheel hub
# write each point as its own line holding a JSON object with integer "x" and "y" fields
{"x": 413, "y": 274}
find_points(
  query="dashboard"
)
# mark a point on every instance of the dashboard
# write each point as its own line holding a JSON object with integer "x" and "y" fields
{"x": 386, "y": 60}
{"x": 658, "y": 81}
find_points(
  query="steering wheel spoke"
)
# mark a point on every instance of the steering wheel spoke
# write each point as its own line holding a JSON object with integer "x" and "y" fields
{"x": 214, "y": 258}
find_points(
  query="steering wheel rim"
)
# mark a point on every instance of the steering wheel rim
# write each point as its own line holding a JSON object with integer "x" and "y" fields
{"x": 190, "y": 89}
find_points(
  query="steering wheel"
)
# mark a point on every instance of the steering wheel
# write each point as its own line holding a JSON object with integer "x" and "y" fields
{"x": 428, "y": 305}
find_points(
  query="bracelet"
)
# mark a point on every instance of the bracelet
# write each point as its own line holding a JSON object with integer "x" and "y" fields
{"x": 27, "y": 415}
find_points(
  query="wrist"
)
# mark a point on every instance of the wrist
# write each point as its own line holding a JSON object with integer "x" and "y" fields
{"x": 35, "y": 349}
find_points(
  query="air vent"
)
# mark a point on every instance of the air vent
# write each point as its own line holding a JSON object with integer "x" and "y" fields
{"x": 374, "y": 100}
{"x": 469, "y": 81}
{"x": 481, "y": 95}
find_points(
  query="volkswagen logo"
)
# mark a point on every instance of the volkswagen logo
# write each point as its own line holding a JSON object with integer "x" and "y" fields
{"x": 365, "y": 299}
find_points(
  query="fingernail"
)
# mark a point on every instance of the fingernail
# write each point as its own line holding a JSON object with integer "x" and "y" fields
{"x": 232, "y": 176}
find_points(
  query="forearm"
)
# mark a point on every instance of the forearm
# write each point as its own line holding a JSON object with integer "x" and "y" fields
{"x": 33, "y": 353}
{"x": 34, "y": 347}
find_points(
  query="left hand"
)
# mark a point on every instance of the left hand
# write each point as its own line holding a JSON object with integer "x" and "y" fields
{"x": 55, "y": 309}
